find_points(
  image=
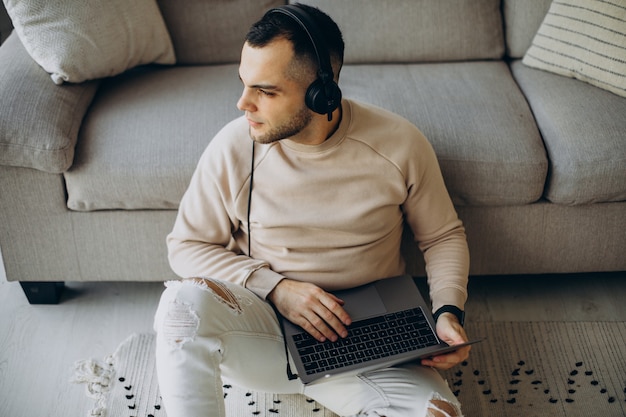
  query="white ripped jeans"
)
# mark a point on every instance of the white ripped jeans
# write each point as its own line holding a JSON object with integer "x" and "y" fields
{"x": 213, "y": 331}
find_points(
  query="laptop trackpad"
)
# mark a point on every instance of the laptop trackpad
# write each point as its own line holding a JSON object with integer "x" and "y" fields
{"x": 362, "y": 302}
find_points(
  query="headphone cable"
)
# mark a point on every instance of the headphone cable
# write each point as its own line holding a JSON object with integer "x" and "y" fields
{"x": 250, "y": 199}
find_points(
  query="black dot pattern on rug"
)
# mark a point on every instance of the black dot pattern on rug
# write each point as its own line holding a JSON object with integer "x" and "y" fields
{"x": 580, "y": 376}
{"x": 317, "y": 408}
{"x": 523, "y": 377}
{"x": 131, "y": 401}
{"x": 273, "y": 407}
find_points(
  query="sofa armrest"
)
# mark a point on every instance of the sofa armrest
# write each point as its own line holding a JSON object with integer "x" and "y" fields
{"x": 39, "y": 121}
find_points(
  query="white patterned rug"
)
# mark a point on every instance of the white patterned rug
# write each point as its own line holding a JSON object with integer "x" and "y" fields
{"x": 523, "y": 369}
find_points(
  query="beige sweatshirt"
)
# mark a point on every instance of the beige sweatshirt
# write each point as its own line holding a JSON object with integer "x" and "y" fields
{"x": 331, "y": 214}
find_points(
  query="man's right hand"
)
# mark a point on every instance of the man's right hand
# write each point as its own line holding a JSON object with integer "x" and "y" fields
{"x": 318, "y": 312}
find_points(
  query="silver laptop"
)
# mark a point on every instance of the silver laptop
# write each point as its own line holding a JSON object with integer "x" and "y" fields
{"x": 391, "y": 324}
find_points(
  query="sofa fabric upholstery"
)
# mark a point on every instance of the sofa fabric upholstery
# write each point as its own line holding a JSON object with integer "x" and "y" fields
{"x": 493, "y": 156}
{"x": 448, "y": 31}
{"x": 146, "y": 163}
{"x": 41, "y": 130}
{"x": 587, "y": 154}
{"x": 522, "y": 19}
{"x": 91, "y": 173}
{"x": 204, "y": 32}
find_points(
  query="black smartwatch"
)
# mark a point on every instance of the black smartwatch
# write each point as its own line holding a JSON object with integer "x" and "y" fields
{"x": 460, "y": 314}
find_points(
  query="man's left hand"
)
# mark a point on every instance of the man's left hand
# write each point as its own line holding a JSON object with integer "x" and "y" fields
{"x": 450, "y": 331}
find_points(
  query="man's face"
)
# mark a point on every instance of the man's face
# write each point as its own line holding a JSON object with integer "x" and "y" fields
{"x": 273, "y": 103}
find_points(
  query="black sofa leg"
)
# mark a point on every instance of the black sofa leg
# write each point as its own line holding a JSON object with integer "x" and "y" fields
{"x": 43, "y": 292}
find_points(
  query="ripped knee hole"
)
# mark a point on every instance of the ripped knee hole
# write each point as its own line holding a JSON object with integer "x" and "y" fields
{"x": 222, "y": 293}
{"x": 180, "y": 324}
{"x": 442, "y": 408}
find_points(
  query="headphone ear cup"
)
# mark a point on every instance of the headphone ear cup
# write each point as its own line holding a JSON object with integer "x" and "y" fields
{"x": 322, "y": 98}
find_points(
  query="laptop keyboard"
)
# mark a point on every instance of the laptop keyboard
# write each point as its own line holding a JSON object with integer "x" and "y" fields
{"x": 369, "y": 339}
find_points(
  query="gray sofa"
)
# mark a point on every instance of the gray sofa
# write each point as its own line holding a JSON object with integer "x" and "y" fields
{"x": 91, "y": 172}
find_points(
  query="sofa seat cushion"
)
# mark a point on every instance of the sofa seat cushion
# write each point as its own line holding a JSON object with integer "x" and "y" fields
{"x": 583, "y": 129}
{"x": 146, "y": 129}
{"x": 144, "y": 134}
{"x": 476, "y": 118}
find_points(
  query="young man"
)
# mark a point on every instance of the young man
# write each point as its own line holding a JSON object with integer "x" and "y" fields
{"x": 288, "y": 203}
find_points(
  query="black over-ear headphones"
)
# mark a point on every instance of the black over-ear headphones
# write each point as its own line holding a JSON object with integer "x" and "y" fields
{"x": 323, "y": 95}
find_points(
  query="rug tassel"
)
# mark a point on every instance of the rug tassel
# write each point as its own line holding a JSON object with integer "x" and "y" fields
{"x": 98, "y": 377}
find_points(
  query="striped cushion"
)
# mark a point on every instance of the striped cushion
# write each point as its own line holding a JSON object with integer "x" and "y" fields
{"x": 583, "y": 39}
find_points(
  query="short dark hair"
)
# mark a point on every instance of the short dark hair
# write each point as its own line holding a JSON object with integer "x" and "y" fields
{"x": 276, "y": 25}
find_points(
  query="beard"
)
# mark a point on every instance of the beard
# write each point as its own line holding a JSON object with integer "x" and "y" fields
{"x": 295, "y": 125}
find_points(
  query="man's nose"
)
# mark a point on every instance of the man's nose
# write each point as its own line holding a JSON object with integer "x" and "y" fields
{"x": 245, "y": 103}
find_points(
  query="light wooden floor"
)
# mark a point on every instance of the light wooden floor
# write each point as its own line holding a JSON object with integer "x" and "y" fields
{"x": 39, "y": 344}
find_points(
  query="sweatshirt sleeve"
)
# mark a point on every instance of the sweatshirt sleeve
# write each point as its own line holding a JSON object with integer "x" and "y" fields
{"x": 201, "y": 243}
{"x": 437, "y": 229}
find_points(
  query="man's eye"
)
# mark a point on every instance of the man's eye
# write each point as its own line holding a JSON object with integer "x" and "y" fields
{"x": 267, "y": 93}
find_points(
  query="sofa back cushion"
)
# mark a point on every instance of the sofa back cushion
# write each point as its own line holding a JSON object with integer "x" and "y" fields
{"x": 375, "y": 31}
{"x": 398, "y": 31}
{"x": 479, "y": 123}
{"x": 140, "y": 142}
{"x": 211, "y": 32}
{"x": 522, "y": 19}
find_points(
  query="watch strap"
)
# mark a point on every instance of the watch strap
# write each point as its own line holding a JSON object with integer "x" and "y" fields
{"x": 460, "y": 314}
